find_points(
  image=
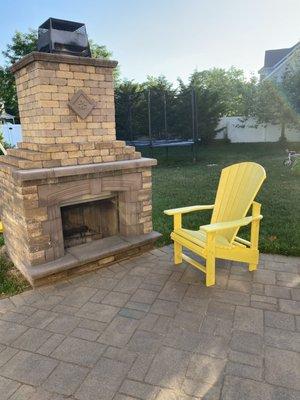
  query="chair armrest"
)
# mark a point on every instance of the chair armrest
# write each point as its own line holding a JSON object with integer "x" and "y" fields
{"x": 184, "y": 210}
{"x": 220, "y": 226}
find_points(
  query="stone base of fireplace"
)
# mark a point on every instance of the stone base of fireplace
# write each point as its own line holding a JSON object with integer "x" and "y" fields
{"x": 34, "y": 212}
{"x": 90, "y": 256}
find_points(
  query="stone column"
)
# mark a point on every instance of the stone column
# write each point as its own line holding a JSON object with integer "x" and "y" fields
{"x": 67, "y": 112}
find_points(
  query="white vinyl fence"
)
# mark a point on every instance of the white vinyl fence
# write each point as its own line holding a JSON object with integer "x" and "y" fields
{"x": 239, "y": 131}
{"x": 236, "y": 129}
{"x": 12, "y": 133}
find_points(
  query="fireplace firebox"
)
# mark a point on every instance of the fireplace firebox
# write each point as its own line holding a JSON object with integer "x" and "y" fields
{"x": 89, "y": 221}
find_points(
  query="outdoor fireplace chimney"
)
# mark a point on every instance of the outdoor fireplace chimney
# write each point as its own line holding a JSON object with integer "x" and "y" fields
{"x": 64, "y": 37}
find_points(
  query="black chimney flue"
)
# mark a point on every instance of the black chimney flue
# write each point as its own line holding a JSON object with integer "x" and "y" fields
{"x": 64, "y": 37}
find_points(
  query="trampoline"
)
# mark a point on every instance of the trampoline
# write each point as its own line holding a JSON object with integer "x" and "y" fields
{"x": 168, "y": 142}
{"x": 164, "y": 143}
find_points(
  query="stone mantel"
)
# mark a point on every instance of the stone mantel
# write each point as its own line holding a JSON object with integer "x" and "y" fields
{"x": 45, "y": 173}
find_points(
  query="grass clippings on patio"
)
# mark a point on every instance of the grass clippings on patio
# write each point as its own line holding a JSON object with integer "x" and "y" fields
{"x": 177, "y": 182}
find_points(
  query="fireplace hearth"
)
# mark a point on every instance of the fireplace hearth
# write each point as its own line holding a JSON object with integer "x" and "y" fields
{"x": 73, "y": 197}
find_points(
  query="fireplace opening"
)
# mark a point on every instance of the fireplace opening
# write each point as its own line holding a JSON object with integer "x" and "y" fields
{"x": 89, "y": 221}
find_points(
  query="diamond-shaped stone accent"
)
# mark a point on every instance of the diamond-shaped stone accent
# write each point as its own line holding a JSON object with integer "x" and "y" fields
{"x": 81, "y": 104}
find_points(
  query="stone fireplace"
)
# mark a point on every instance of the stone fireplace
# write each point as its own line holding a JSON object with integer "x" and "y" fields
{"x": 73, "y": 198}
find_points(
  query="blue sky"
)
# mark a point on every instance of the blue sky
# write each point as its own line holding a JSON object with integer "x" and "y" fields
{"x": 170, "y": 37}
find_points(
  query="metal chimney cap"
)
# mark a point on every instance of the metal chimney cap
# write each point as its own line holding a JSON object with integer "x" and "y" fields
{"x": 61, "y": 24}
{"x": 63, "y": 37}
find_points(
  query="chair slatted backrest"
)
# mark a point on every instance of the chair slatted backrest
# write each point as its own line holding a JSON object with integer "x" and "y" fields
{"x": 238, "y": 187}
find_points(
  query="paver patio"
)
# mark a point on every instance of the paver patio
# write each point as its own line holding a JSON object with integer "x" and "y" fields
{"x": 146, "y": 329}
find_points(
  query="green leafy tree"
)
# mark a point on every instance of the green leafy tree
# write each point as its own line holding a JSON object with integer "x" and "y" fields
{"x": 171, "y": 109}
{"x": 291, "y": 84}
{"x": 99, "y": 51}
{"x": 132, "y": 108}
{"x": 234, "y": 90}
{"x": 182, "y": 116}
{"x": 162, "y": 102}
{"x": 8, "y": 92}
{"x": 278, "y": 102}
{"x": 208, "y": 109}
{"x": 21, "y": 44}
{"x": 128, "y": 95}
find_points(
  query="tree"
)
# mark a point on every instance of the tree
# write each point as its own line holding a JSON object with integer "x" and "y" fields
{"x": 213, "y": 93}
{"x": 234, "y": 90}
{"x": 127, "y": 98}
{"x": 208, "y": 109}
{"x": 99, "y": 51}
{"x": 132, "y": 117}
{"x": 22, "y": 44}
{"x": 171, "y": 109}
{"x": 8, "y": 93}
{"x": 278, "y": 102}
{"x": 162, "y": 105}
{"x": 291, "y": 85}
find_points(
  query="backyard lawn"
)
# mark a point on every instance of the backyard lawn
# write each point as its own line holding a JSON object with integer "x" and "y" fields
{"x": 178, "y": 182}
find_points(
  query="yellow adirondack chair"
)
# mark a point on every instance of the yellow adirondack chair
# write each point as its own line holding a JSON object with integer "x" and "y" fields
{"x": 238, "y": 186}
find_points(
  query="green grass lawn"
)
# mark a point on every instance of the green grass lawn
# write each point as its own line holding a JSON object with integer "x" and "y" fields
{"x": 178, "y": 182}
{"x": 11, "y": 280}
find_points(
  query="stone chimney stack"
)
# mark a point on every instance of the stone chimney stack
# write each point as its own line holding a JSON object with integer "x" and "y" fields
{"x": 67, "y": 113}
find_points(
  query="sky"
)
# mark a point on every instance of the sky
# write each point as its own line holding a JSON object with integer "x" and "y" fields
{"x": 169, "y": 37}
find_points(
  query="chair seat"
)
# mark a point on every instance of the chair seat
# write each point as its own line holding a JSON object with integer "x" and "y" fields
{"x": 199, "y": 238}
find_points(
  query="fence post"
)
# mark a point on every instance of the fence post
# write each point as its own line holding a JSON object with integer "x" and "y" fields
{"x": 130, "y": 118}
{"x": 193, "y": 122}
{"x": 149, "y": 117}
{"x": 149, "y": 121}
{"x": 165, "y": 113}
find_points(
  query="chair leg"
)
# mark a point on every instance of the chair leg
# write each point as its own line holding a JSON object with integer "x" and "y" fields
{"x": 255, "y": 234}
{"x": 252, "y": 267}
{"x": 177, "y": 253}
{"x": 210, "y": 271}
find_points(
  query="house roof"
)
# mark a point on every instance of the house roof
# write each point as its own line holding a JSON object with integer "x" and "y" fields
{"x": 273, "y": 57}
